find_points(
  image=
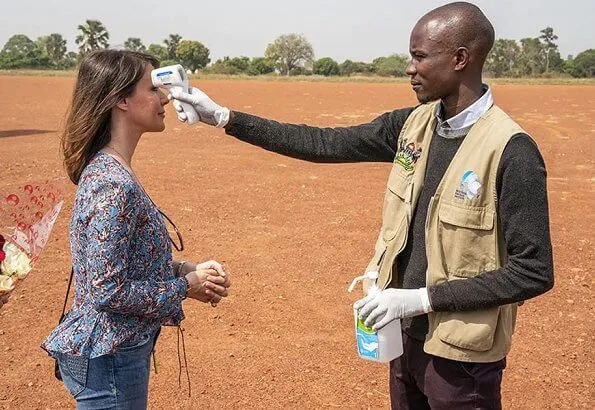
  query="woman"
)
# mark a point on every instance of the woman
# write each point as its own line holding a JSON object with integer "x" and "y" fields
{"x": 126, "y": 284}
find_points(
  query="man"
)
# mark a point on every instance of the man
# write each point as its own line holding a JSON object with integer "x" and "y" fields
{"x": 465, "y": 231}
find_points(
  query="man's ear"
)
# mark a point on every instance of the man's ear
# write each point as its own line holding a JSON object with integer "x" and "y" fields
{"x": 461, "y": 58}
{"x": 122, "y": 104}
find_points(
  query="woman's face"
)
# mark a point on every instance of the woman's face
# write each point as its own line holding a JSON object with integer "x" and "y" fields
{"x": 147, "y": 105}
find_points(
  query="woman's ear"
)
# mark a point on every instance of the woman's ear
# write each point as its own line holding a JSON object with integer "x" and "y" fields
{"x": 122, "y": 104}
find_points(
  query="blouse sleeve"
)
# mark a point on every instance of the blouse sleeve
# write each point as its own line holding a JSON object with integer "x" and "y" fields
{"x": 111, "y": 222}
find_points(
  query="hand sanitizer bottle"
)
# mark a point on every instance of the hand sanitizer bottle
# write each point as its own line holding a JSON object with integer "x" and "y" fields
{"x": 383, "y": 345}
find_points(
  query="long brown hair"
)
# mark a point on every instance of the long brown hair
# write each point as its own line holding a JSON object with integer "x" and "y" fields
{"x": 104, "y": 78}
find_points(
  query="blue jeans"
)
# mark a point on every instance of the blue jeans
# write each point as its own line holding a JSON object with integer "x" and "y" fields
{"x": 113, "y": 381}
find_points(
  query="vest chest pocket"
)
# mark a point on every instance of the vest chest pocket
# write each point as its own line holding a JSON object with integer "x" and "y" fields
{"x": 467, "y": 238}
{"x": 394, "y": 212}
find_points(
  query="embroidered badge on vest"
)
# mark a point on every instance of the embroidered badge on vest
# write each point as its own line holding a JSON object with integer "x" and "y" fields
{"x": 407, "y": 155}
{"x": 469, "y": 186}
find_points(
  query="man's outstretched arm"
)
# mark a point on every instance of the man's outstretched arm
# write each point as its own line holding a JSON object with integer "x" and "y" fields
{"x": 375, "y": 141}
{"x": 371, "y": 142}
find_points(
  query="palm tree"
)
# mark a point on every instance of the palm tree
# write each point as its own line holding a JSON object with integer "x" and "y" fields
{"x": 134, "y": 44}
{"x": 172, "y": 43}
{"x": 93, "y": 36}
{"x": 548, "y": 37}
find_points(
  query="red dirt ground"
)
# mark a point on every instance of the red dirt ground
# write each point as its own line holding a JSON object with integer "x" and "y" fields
{"x": 292, "y": 235}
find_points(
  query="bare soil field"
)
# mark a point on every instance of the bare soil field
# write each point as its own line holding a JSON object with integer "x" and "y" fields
{"x": 293, "y": 234}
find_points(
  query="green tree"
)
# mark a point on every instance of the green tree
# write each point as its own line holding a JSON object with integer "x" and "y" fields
{"x": 172, "y": 42}
{"x": 54, "y": 46}
{"x": 159, "y": 51}
{"x": 391, "y": 66}
{"x": 556, "y": 61}
{"x": 93, "y": 36}
{"x": 502, "y": 58}
{"x": 22, "y": 52}
{"x": 326, "y": 66}
{"x": 227, "y": 65}
{"x": 532, "y": 61}
{"x": 70, "y": 60}
{"x": 548, "y": 37}
{"x": 349, "y": 67}
{"x": 300, "y": 71}
{"x": 261, "y": 65}
{"x": 134, "y": 44}
{"x": 192, "y": 54}
{"x": 583, "y": 65}
{"x": 241, "y": 63}
{"x": 221, "y": 66}
{"x": 290, "y": 51}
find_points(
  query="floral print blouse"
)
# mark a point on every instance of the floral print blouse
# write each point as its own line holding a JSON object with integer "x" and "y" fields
{"x": 124, "y": 283}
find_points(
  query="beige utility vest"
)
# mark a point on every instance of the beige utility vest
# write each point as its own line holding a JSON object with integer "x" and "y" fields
{"x": 463, "y": 233}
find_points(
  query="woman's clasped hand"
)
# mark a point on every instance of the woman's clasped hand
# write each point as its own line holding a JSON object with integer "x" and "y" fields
{"x": 207, "y": 282}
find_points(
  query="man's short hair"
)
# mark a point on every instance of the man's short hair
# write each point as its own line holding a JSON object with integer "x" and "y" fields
{"x": 465, "y": 25}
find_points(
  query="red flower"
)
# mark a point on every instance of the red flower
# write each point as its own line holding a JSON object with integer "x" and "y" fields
{"x": 2, "y": 254}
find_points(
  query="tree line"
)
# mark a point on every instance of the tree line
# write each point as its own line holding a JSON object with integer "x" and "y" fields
{"x": 538, "y": 56}
{"x": 289, "y": 54}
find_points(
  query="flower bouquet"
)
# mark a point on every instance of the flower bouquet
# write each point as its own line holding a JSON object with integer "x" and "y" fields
{"x": 27, "y": 216}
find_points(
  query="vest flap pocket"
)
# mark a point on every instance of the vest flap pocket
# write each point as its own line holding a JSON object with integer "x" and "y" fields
{"x": 466, "y": 239}
{"x": 466, "y": 216}
{"x": 398, "y": 184}
{"x": 472, "y": 330}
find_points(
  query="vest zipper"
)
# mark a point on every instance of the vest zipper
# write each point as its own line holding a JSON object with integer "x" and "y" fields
{"x": 408, "y": 207}
{"x": 430, "y": 205}
{"x": 381, "y": 257}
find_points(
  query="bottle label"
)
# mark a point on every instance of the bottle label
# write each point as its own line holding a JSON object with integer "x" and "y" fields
{"x": 367, "y": 340}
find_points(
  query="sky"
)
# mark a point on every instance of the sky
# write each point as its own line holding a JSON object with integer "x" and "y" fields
{"x": 340, "y": 29}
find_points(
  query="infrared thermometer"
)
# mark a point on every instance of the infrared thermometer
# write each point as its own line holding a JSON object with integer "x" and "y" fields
{"x": 174, "y": 78}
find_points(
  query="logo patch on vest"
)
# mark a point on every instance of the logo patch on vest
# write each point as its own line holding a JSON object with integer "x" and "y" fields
{"x": 407, "y": 155}
{"x": 469, "y": 186}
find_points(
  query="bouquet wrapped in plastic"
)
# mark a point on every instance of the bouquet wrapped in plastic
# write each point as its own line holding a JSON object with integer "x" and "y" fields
{"x": 27, "y": 216}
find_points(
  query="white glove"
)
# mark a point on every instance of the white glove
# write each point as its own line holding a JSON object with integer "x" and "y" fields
{"x": 379, "y": 309}
{"x": 208, "y": 111}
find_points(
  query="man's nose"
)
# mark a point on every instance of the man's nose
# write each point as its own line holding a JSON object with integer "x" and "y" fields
{"x": 410, "y": 70}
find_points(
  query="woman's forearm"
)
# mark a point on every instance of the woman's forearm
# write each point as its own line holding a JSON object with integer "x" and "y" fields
{"x": 182, "y": 267}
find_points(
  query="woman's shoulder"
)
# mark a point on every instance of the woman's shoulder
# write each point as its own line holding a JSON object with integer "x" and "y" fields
{"x": 103, "y": 168}
{"x": 104, "y": 173}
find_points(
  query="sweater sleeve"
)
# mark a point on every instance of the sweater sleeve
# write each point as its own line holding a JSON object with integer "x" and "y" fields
{"x": 375, "y": 141}
{"x": 523, "y": 209}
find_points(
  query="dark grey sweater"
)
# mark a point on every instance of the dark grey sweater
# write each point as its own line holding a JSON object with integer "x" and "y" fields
{"x": 521, "y": 189}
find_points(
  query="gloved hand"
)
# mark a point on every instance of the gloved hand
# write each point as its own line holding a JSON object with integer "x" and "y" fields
{"x": 390, "y": 304}
{"x": 208, "y": 111}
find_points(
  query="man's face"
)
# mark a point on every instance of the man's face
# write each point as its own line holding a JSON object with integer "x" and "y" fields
{"x": 432, "y": 62}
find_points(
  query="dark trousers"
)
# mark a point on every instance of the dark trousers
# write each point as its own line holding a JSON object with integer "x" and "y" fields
{"x": 421, "y": 381}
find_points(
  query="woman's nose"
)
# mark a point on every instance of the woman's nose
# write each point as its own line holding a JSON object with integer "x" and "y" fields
{"x": 163, "y": 98}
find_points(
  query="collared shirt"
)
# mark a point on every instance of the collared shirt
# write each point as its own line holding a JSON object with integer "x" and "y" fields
{"x": 465, "y": 119}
